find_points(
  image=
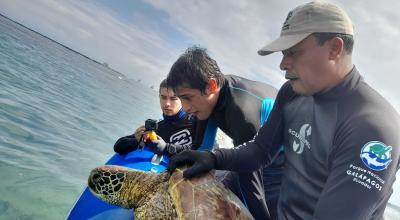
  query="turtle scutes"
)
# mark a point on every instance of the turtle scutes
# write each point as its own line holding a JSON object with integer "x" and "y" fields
{"x": 165, "y": 196}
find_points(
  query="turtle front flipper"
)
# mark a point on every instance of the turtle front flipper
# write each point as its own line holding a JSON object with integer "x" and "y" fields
{"x": 203, "y": 197}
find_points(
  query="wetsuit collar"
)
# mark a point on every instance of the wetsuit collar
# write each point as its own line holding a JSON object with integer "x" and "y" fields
{"x": 222, "y": 97}
{"x": 350, "y": 82}
{"x": 177, "y": 117}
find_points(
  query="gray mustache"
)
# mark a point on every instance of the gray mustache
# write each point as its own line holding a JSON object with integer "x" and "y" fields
{"x": 290, "y": 76}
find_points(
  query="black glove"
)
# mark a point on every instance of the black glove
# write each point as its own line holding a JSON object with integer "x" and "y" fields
{"x": 200, "y": 161}
{"x": 157, "y": 146}
{"x": 126, "y": 144}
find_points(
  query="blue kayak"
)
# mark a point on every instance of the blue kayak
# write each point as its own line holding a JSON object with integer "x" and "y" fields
{"x": 90, "y": 207}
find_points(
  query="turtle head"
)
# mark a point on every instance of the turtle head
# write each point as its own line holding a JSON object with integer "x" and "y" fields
{"x": 107, "y": 183}
{"x": 121, "y": 186}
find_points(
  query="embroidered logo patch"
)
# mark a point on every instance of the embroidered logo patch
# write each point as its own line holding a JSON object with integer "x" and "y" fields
{"x": 286, "y": 24}
{"x": 376, "y": 155}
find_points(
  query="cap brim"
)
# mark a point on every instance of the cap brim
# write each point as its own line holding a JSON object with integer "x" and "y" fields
{"x": 282, "y": 43}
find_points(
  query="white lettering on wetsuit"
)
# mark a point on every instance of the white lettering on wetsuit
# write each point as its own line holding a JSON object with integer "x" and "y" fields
{"x": 365, "y": 177}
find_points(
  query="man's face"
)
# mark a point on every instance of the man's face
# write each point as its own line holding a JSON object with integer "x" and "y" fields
{"x": 169, "y": 102}
{"x": 306, "y": 65}
{"x": 195, "y": 102}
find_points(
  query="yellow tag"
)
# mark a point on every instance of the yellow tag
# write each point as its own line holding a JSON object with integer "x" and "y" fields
{"x": 152, "y": 135}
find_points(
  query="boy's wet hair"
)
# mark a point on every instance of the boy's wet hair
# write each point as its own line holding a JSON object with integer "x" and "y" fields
{"x": 163, "y": 84}
{"x": 194, "y": 69}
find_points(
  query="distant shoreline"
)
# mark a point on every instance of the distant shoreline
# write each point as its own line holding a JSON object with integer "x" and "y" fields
{"x": 103, "y": 64}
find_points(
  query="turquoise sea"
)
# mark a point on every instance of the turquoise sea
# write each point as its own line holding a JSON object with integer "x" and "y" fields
{"x": 60, "y": 114}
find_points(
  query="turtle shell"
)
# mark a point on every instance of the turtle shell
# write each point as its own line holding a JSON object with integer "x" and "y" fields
{"x": 203, "y": 197}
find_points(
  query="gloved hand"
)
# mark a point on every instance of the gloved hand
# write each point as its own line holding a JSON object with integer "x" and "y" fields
{"x": 200, "y": 161}
{"x": 157, "y": 146}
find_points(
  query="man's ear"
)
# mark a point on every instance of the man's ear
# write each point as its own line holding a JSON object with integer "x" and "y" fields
{"x": 336, "y": 47}
{"x": 212, "y": 85}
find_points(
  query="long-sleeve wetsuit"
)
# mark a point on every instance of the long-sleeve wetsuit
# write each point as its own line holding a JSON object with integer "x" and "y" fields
{"x": 342, "y": 150}
{"x": 178, "y": 130}
{"x": 237, "y": 113}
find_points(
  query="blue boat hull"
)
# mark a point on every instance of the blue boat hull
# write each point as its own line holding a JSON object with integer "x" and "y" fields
{"x": 90, "y": 207}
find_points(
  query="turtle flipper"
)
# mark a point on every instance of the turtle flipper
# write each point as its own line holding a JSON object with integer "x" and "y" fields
{"x": 203, "y": 197}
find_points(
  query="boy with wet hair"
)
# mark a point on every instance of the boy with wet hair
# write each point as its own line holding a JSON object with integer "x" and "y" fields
{"x": 175, "y": 131}
{"x": 239, "y": 107}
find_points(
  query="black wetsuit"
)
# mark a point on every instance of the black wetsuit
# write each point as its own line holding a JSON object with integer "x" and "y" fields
{"x": 342, "y": 150}
{"x": 178, "y": 130}
{"x": 237, "y": 113}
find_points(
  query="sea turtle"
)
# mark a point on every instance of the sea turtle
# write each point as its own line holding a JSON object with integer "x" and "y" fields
{"x": 166, "y": 196}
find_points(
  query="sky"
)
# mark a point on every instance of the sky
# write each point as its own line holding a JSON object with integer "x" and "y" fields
{"x": 142, "y": 39}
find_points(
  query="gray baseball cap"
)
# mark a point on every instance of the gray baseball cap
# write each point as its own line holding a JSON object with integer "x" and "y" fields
{"x": 313, "y": 17}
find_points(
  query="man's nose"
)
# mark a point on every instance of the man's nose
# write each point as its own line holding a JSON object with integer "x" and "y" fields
{"x": 285, "y": 63}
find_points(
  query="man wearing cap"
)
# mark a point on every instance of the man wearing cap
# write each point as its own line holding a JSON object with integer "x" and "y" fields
{"x": 340, "y": 136}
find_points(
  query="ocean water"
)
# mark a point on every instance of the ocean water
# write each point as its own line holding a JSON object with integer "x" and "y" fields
{"x": 60, "y": 114}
